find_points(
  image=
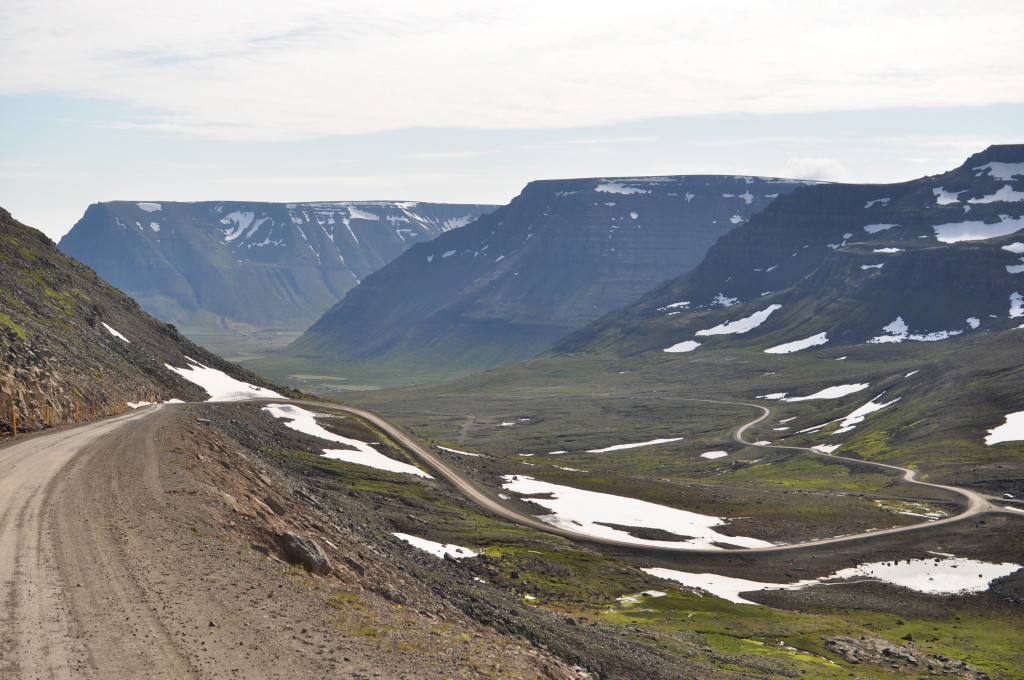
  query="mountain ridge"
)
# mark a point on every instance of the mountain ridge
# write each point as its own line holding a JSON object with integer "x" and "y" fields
{"x": 557, "y": 256}
{"x": 228, "y": 264}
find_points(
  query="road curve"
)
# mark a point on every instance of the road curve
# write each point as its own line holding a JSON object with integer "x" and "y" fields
{"x": 975, "y": 503}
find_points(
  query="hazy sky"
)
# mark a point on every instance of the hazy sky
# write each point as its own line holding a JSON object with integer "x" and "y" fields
{"x": 467, "y": 100}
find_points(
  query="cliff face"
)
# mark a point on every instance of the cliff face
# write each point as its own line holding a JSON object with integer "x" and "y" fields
{"x": 923, "y": 260}
{"x": 267, "y": 265}
{"x": 73, "y": 347}
{"x": 558, "y": 256}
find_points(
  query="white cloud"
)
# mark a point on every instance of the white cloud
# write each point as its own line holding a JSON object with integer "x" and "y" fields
{"x": 823, "y": 169}
{"x": 245, "y": 69}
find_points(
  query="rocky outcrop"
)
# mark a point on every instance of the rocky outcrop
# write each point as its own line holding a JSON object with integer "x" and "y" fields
{"x": 878, "y": 651}
{"x": 239, "y": 265}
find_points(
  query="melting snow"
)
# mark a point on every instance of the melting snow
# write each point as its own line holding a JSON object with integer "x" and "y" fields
{"x": 684, "y": 346}
{"x": 448, "y": 253}
{"x": 872, "y": 266}
{"x": 857, "y": 417}
{"x": 437, "y": 549}
{"x": 973, "y": 321}
{"x": 898, "y": 331}
{"x": 888, "y": 251}
{"x": 219, "y": 385}
{"x": 149, "y": 207}
{"x": 1016, "y": 305}
{"x": 883, "y": 201}
{"x": 586, "y": 512}
{"x": 954, "y": 232}
{"x": 1010, "y": 431}
{"x": 724, "y": 301}
{"x": 735, "y": 219}
{"x": 461, "y": 453}
{"x": 797, "y": 345}
{"x": 1003, "y": 171}
{"x": 714, "y": 454}
{"x": 360, "y": 453}
{"x": 620, "y": 447}
{"x": 741, "y": 325}
{"x": 674, "y": 305}
{"x": 115, "y": 333}
{"x": 943, "y": 197}
{"x": 834, "y": 392}
{"x": 826, "y": 448}
{"x": 1006, "y": 194}
{"x": 619, "y": 188}
{"x": 155, "y": 226}
{"x": 933, "y": 576}
{"x": 875, "y": 228}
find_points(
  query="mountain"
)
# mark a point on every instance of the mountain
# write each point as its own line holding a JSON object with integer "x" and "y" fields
{"x": 218, "y": 265}
{"x": 73, "y": 347}
{"x": 846, "y": 264}
{"x": 502, "y": 289}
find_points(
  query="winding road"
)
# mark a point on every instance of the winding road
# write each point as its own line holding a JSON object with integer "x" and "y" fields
{"x": 975, "y": 503}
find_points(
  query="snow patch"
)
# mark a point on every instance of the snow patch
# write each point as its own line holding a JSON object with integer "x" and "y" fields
{"x": 883, "y": 201}
{"x": 619, "y": 188}
{"x": 724, "y": 301}
{"x": 872, "y": 266}
{"x": 943, "y": 197}
{"x": 857, "y": 417}
{"x": 155, "y": 226}
{"x": 714, "y": 454}
{"x": 898, "y": 331}
{"x": 933, "y": 576}
{"x": 359, "y": 453}
{"x": 438, "y": 550}
{"x": 741, "y": 325}
{"x": 115, "y": 333}
{"x": 887, "y": 251}
{"x": 587, "y": 512}
{"x": 1006, "y": 194}
{"x": 1003, "y": 171}
{"x": 797, "y": 345}
{"x": 684, "y": 346}
{"x": 149, "y": 207}
{"x": 461, "y": 453}
{"x": 834, "y": 392}
{"x": 875, "y": 228}
{"x": 1017, "y": 248}
{"x": 219, "y": 385}
{"x": 622, "y": 447}
{"x": 1016, "y": 305}
{"x": 973, "y": 321}
{"x": 954, "y": 232}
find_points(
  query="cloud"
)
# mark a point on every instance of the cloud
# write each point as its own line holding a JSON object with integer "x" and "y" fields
{"x": 820, "y": 169}
{"x": 262, "y": 70}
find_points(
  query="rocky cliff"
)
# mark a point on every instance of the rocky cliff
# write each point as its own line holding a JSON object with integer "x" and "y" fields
{"x": 219, "y": 265}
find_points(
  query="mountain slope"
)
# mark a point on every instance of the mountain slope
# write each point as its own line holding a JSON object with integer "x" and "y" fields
{"x": 919, "y": 261}
{"x": 559, "y": 255}
{"x": 73, "y": 347}
{"x": 216, "y": 265}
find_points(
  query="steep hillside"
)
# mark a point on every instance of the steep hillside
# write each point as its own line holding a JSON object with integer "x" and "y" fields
{"x": 220, "y": 265}
{"x": 558, "y": 256}
{"x": 920, "y": 261}
{"x": 72, "y": 347}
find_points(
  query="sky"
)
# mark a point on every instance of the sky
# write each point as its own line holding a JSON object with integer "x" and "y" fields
{"x": 468, "y": 100}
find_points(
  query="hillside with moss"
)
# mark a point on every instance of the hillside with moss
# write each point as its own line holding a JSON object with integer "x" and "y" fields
{"x": 73, "y": 347}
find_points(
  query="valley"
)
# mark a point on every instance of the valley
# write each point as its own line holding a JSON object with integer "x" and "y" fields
{"x": 800, "y": 457}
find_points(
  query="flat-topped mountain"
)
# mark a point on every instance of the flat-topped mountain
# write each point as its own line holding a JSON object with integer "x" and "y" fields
{"x": 218, "y": 265}
{"x": 73, "y": 347}
{"x": 919, "y": 261}
{"x": 504, "y": 288}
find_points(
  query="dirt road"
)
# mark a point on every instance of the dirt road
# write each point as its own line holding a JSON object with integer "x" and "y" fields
{"x": 116, "y": 562}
